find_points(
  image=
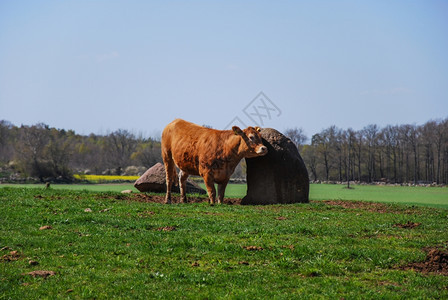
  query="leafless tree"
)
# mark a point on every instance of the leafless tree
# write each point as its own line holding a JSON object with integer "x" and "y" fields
{"x": 297, "y": 136}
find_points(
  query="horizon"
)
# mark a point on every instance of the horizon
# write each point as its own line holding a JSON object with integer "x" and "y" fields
{"x": 157, "y": 137}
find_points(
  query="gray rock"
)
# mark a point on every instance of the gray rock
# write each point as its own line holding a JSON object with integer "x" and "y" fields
{"x": 154, "y": 180}
{"x": 278, "y": 177}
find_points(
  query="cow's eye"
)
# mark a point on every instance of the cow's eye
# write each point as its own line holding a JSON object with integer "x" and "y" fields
{"x": 252, "y": 138}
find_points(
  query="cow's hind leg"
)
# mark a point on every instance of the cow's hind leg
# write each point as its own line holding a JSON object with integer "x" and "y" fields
{"x": 182, "y": 185}
{"x": 221, "y": 191}
{"x": 170, "y": 170}
{"x": 210, "y": 184}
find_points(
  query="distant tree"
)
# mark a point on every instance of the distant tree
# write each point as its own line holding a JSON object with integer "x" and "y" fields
{"x": 30, "y": 150}
{"x": 309, "y": 155}
{"x": 440, "y": 139}
{"x": 324, "y": 143}
{"x": 370, "y": 134}
{"x": 348, "y": 140}
{"x": 58, "y": 152}
{"x": 297, "y": 136}
{"x": 6, "y": 142}
{"x": 118, "y": 147}
{"x": 147, "y": 153}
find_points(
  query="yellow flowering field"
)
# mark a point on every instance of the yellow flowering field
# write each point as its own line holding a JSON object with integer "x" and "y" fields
{"x": 105, "y": 178}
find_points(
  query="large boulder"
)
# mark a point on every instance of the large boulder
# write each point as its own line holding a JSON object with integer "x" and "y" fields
{"x": 154, "y": 180}
{"x": 278, "y": 177}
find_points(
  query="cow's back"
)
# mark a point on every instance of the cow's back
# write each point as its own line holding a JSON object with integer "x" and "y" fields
{"x": 186, "y": 143}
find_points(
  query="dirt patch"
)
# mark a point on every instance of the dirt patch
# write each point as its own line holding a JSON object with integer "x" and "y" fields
{"x": 146, "y": 214}
{"x": 166, "y": 228}
{"x": 369, "y": 206}
{"x": 363, "y": 205}
{"x": 408, "y": 225}
{"x": 436, "y": 262}
{"x": 253, "y": 248}
{"x": 142, "y": 197}
{"x": 11, "y": 256}
{"x": 43, "y": 274}
{"x": 291, "y": 247}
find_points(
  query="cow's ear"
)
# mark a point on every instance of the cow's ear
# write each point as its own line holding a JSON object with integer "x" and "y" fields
{"x": 237, "y": 130}
{"x": 258, "y": 129}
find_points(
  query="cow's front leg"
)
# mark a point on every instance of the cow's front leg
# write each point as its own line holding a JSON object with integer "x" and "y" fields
{"x": 210, "y": 185}
{"x": 182, "y": 185}
{"x": 221, "y": 191}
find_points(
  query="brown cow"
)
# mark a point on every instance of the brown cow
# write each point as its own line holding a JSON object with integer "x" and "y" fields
{"x": 212, "y": 154}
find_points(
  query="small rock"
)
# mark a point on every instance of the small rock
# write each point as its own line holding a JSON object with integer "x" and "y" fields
{"x": 33, "y": 263}
{"x": 88, "y": 210}
{"x": 126, "y": 192}
{"x": 46, "y": 227}
{"x": 153, "y": 180}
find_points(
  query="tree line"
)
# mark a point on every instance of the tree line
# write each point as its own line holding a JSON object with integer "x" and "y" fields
{"x": 393, "y": 154}
{"x": 47, "y": 153}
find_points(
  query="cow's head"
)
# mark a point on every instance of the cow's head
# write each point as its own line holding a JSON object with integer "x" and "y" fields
{"x": 252, "y": 139}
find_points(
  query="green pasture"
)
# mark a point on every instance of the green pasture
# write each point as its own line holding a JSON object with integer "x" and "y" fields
{"x": 422, "y": 196}
{"x": 105, "y": 245}
{"x": 409, "y": 195}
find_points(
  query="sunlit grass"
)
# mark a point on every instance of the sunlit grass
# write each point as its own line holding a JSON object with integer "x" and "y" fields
{"x": 105, "y": 246}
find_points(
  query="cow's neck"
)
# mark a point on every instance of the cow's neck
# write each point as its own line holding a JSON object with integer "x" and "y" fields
{"x": 236, "y": 148}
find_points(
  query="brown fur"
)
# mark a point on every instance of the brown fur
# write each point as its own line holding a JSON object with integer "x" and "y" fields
{"x": 212, "y": 154}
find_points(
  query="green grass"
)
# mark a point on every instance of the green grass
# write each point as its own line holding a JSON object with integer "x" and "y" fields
{"x": 421, "y": 196}
{"x": 119, "y": 250}
{"x": 107, "y": 187}
{"x": 426, "y": 196}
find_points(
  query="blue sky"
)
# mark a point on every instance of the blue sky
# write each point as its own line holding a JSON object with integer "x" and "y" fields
{"x": 98, "y": 66}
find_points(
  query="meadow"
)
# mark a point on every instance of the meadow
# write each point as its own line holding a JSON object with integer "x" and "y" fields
{"x": 60, "y": 243}
{"x": 409, "y": 195}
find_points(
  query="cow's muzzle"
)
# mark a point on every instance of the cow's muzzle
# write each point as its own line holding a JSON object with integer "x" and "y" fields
{"x": 262, "y": 150}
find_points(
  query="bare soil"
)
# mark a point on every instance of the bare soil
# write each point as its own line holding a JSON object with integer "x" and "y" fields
{"x": 362, "y": 205}
{"x": 166, "y": 228}
{"x": 142, "y": 197}
{"x": 436, "y": 262}
{"x": 12, "y": 256}
{"x": 408, "y": 225}
{"x": 369, "y": 206}
{"x": 43, "y": 274}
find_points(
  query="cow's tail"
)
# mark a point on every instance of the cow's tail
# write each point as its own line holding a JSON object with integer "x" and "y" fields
{"x": 168, "y": 161}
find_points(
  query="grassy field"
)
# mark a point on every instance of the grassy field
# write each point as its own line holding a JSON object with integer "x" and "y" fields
{"x": 426, "y": 196}
{"x": 108, "y": 245}
{"x": 422, "y": 196}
